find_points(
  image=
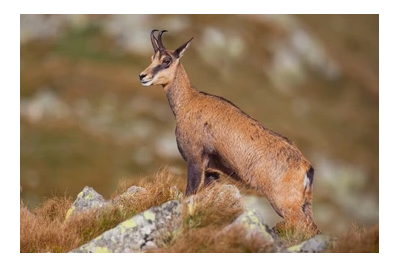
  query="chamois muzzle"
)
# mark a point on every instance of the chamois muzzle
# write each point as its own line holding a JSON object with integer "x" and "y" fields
{"x": 141, "y": 76}
{"x": 142, "y": 79}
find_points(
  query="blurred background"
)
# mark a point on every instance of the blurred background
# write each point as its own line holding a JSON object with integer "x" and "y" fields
{"x": 87, "y": 120}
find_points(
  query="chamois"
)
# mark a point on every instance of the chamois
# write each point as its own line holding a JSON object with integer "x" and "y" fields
{"x": 214, "y": 136}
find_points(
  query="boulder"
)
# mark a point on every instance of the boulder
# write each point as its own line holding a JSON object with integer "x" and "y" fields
{"x": 131, "y": 191}
{"x": 316, "y": 244}
{"x": 86, "y": 200}
{"x": 89, "y": 199}
{"x": 253, "y": 222}
{"x": 139, "y": 232}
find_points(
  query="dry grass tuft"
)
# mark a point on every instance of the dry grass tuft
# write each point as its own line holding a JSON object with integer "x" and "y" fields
{"x": 358, "y": 240}
{"x": 54, "y": 209}
{"x": 44, "y": 229}
{"x": 210, "y": 240}
{"x": 41, "y": 229}
{"x": 213, "y": 205}
{"x": 294, "y": 235}
{"x": 205, "y": 216}
{"x": 158, "y": 191}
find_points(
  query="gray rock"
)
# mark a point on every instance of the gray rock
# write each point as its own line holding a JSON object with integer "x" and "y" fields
{"x": 316, "y": 244}
{"x": 140, "y": 232}
{"x": 87, "y": 199}
{"x": 135, "y": 190}
{"x": 254, "y": 224}
{"x": 128, "y": 194}
{"x": 262, "y": 207}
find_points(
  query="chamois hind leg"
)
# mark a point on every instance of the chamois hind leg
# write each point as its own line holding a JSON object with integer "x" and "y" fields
{"x": 294, "y": 203}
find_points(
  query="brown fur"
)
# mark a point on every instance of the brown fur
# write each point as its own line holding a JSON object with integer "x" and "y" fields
{"x": 214, "y": 134}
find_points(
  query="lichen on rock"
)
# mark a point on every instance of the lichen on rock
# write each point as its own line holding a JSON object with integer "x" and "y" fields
{"x": 86, "y": 200}
{"x": 139, "y": 232}
{"x": 253, "y": 222}
{"x": 316, "y": 244}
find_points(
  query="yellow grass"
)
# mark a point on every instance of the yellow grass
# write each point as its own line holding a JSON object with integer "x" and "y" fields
{"x": 358, "y": 240}
{"x": 44, "y": 229}
{"x": 209, "y": 239}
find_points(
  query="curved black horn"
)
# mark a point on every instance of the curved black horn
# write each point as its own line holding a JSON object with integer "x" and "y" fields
{"x": 160, "y": 41}
{"x": 154, "y": 40}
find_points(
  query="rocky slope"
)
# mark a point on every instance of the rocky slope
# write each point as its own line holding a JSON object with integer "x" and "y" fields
{"x": 148, "y": 230}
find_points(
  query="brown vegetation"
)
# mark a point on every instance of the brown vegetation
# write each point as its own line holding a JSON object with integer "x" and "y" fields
{"x": 358, "y": 240}
{"x": 210, "y": 240}
{"x": 159, "y": 189}
{"x": 204, "y": 229}
{"x": 44, "y": 230}
{"x": 41, "y": 229}
{"x": 291, "y": 235}
{"x": 213, "y": 206}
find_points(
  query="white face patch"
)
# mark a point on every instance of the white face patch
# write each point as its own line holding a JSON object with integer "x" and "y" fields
{"x": 147, "y": 83}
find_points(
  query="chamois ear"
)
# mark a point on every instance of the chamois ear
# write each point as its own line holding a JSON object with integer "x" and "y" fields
{"x": 178, "y": 53}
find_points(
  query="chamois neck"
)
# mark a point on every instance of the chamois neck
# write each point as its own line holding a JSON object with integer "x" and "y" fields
{"x": 179, "y": 91}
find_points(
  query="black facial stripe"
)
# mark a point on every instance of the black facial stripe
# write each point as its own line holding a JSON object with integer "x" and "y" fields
{"x": 158, "y": 68}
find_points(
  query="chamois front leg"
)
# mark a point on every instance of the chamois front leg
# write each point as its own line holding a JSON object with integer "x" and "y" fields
{"x": 195, "y": 175}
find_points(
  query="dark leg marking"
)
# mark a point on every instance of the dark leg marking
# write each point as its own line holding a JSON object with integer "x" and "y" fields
{"x": 310, "y": 175}
{"x": 195, "y": 173}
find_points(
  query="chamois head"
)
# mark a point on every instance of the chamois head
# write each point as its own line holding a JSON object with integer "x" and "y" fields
{"x": 163, "y": 63}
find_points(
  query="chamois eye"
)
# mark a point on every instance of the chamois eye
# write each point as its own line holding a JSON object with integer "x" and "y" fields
{"x": 166, "y": 62}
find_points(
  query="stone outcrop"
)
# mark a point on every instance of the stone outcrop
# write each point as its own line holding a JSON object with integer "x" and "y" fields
{"x": 254, "y": 224}
{"x": 316, "y": 244}
{"x": 87, "y": 199}
{"x": 139, "y": 232}
{"x": 155, "y": 226}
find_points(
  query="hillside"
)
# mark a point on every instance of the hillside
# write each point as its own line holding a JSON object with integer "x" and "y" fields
{"x": 85, "y": 119}
{"x": 155, "y": 217}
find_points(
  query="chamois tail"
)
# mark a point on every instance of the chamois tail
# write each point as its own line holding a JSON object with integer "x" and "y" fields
{"x": 307, "y": 206}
